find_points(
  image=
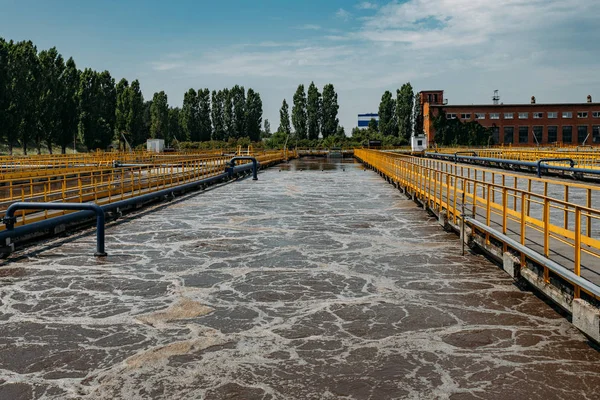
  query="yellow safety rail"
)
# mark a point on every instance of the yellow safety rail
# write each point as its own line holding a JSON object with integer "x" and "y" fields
{"x": 584, "y": 157}
{"x": 528, "y": 209}
{"x": 106, "y": 184}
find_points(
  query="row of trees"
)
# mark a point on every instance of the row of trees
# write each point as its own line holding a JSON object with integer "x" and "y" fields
{"x": 204, "y": 116}
{"x": 47, "y": 101}
{"x": 313, "y": 115}
{"x": 400, "y": 116}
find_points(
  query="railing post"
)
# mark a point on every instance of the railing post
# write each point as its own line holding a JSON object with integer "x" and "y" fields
{"x": 546, "y": 227}
{"x": 577, "y": 241}
{"x": 588, "y": 224}
{"x": 504, "y": 208}
{"x": 523, "y": 225}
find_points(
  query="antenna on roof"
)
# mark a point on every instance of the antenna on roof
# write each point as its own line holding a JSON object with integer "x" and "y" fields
{"x": 496, "y": 97}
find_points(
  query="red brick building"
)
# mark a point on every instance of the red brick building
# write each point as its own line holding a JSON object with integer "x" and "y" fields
{"x": 521, "y": 124}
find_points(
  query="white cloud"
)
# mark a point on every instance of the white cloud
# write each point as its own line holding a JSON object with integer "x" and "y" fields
{"x": 460, "y": 23}
{"x": 310, "y": 27}
{"x": 343, "y": 14}
{"x": 546, "y": 48}
{"x": 166, "y": 65}
{"x": 366, "y": 5}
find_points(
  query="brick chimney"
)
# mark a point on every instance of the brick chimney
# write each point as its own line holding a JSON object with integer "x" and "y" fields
{"x": 532, "y": 99}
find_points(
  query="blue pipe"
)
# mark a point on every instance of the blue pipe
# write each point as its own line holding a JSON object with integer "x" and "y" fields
{"x": 462, "y": 152}
{"x": 254, "y": 165}
{"x": 70, "y": 218}
{"x": 10, "y": 219}
{"x": 539, "y": 163}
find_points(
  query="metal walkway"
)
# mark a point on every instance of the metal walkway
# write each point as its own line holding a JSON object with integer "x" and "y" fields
{"x": 558, "y": 219}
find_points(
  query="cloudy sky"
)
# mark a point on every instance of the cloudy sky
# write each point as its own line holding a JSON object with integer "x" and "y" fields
{"x": 546, "y": 48}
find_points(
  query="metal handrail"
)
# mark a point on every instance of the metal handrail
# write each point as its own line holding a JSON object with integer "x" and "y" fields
{"x": 10, "y": 219}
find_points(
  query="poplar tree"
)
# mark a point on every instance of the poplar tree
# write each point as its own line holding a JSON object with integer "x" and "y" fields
{"x": 108, "y": 103}
{"x": 4, "y": 94}
{"x": 417, "y": 116}
{"x": 23, "y": 71}
{"x": 97, "y": 104}
{"x": 217, "y": 116}
{"x": 204, "y": 124}
{"x": 330, "y": 111}
{"x": 135, "y": 122}
{"x": 88, "y": 109}
{"x": 159, "y": 116}
{"x": 313, "y": 112}
{"x": 284, "y": 118}
{"x": 253, "y": 115}
{"x": 189, "y": 115}
{"x": 174, "y": 126}
{"x": 387, "y": 115}
{"x": 299, "y": 113}
{"x": 122, "y": 111}
{"x": 238, "y": 96}
{"x": 146, "y": 120}
{"x": 404, "y": 110}
{"x": 267, "y": 130}
{"x": 228, "y": 119}
{"x": 50, "y": 89}
{"x": 69, "y": 112}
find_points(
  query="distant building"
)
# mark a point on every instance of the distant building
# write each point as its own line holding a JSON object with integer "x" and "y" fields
{"x": 520, "y": 124}
{"x": 364, "y": 119}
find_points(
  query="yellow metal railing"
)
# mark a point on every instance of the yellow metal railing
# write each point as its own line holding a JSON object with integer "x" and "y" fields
{"x": 584, "y": 157}
{"x": 529, "y": 209}
{"x": 142, "y": 173}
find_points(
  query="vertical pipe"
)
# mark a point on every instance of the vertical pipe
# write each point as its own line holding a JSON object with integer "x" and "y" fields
{"x": 100, "y": 233}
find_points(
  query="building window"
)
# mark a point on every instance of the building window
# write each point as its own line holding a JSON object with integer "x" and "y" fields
{"x": 523, "y": 134}
{"x": 508, "y": 115}
{"x": 567, "y": 136}
{"x": 451, "y": 116}
{"x": 496, "y": 135}
{"x": 552, "y": 134}
{"x": 582, "y": 114}
{"x": 538, "y": 115}
{"x": 582, "y": 132}
{"x": 509, "y": 134}
{"x": 537, "y": 134}
{"x": 523, "y": 115}
{"x": 552, "y": 115}
{"x": 494, "y": 115}
{"x": 419, "y": 143}
{"x": 567, "y": 114}
{"x": 480, "y": 115}
{"x": 596, "y": 134}
{"x": 596, "y": 114}
{"x": 465, "y": 116}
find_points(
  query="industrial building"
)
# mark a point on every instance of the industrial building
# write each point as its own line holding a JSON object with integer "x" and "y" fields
{"x": 532, "y": 124}
{"x": 364, "y": 119}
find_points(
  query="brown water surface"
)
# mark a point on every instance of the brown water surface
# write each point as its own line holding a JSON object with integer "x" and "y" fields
{"x": 319, "y": 281}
